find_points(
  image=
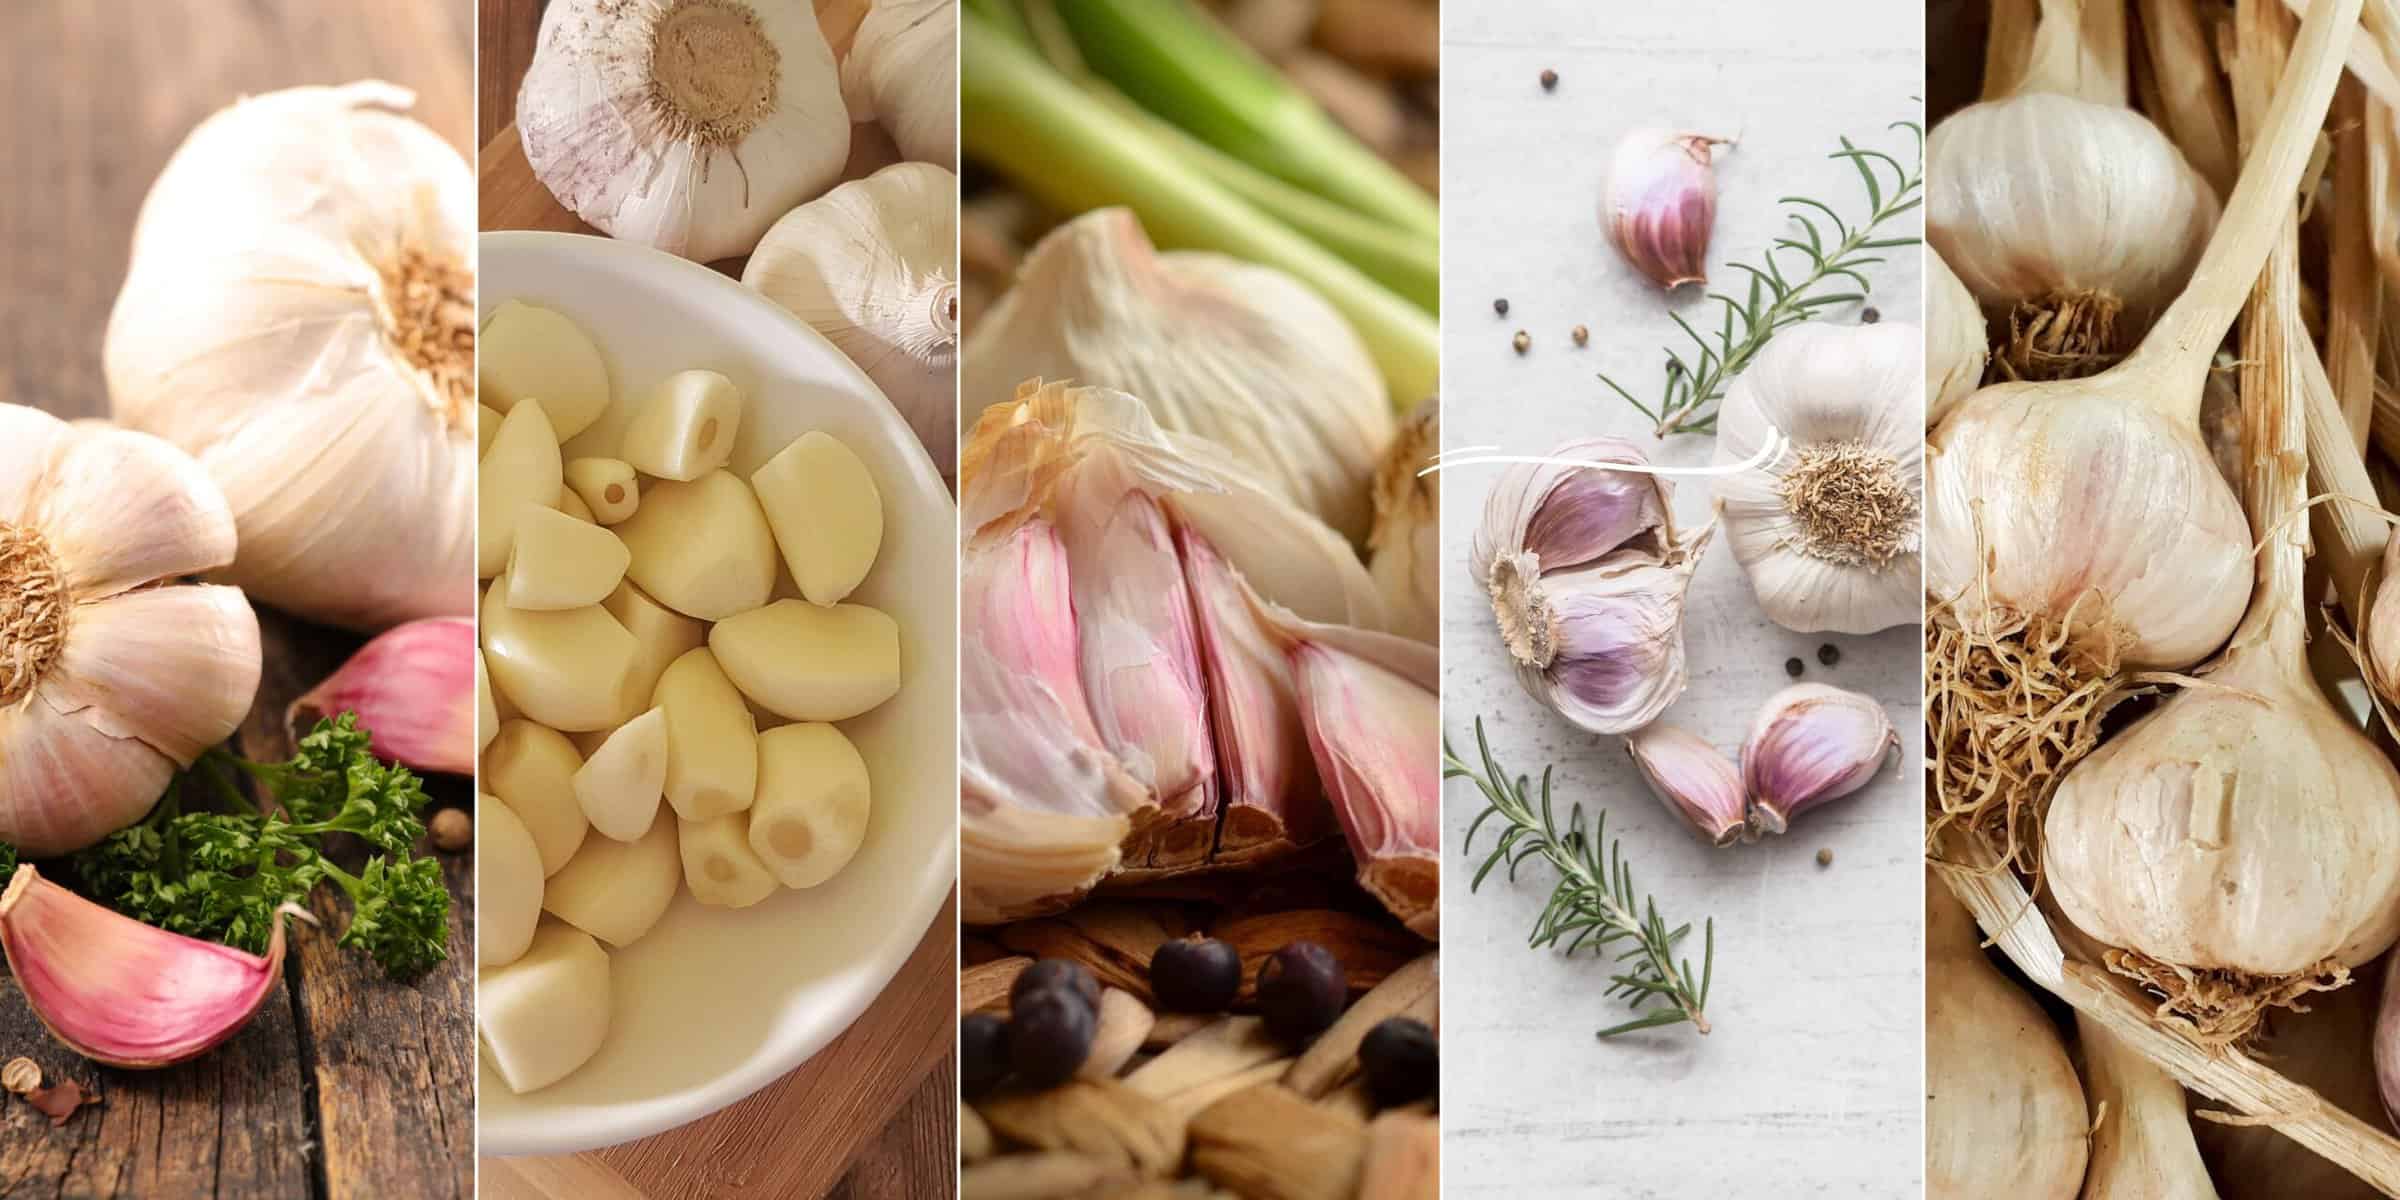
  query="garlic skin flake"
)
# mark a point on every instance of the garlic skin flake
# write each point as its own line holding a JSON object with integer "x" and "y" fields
{"x": 108, "y": 684}
{"x": 1694, "y": 781}
{"x": 1660, "y": 203}
{"x": 687, "y": 125}
{"x": 902, "y": 73}
{"x": 1812, "y": 743}
{"x": 1829, "y": 531}
{"x": 299, "y": 314}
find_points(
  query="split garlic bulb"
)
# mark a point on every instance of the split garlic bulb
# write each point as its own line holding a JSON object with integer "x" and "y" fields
{"x": 1829, "y": 530}
{"x": 1956, "y": 348}
{"x": 689, "y": 125}
{"x": 872, "y": 266}
{"x": 902, "y": 73}
{"x": 1242, "y": 355}
{"x": 299, "y": 314}
{"x": 108, "y": 684}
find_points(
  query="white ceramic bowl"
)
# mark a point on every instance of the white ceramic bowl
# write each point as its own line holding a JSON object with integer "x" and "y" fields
{"x": 715, "y": 1004}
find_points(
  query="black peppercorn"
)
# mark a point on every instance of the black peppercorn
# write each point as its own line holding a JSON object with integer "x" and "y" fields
{"x": 1869, "y": 316}
{"x": 1197, "y": 975}
{"x": 1301, "y": 990}
{"x": 1500, "y": 306}
{"x": 1054, "y": 974}
{"x": 1793, "y": 667}
{"x": 982, "y": 1053}
{"x": 1549, "y": 80}
{"x": 1049, "y": 1036}
{"x": 1829, "y": 654}
{"x": 1401, "y": 1060}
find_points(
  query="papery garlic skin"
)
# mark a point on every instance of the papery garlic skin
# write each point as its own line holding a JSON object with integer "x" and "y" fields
{"x": 299, "y": 314}
{"x": 1565, "y": 516}
{"x": 902, "y": 73}
{"x": 410, "y": 687}
{"x": 1956, "y": 341}
{"x": 1830, "y": 530}
{"x": 2379, "y": 634}
{"x": 1660, "y": 204}
{"x": 1618, "y": 640}
{"x": 1810, "y": 744}
{"x": 1694, "y": 781}
{"x": 687, "y": 125}
{"x": 1405, "y": 545}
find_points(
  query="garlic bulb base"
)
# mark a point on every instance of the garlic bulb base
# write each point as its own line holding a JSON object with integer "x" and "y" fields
{"x": 1850, "y": 504}
{"x": 2068, "y": 334}
{"x": 33, "y": 610}
{"x": 713, "y": 71}
{"x": 2225, "y": 1008}
{"x": 426, "y": 304}
{"x": 1528, "y": 626}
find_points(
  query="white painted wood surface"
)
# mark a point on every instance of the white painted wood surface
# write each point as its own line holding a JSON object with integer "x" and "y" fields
{"x": 1812, "y": 1083}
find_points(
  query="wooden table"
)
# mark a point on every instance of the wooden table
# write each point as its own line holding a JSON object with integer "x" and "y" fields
{"x": 346, "y": 1084}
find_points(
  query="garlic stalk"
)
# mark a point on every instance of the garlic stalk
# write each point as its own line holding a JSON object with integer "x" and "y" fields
{"x": 1810, "y": 744}
{"x": 299, "y": 314}
{"x": 1586, "y": 576}
{"x": 901, "y": 71}
{"x": 1829, "y": 531}
{"x": 2142, "y": 1147}
{"x": 1955, "y": 346}
{"x": 688, "y": 125}
{"x": 1404, "y": 547}
{"x": 108, "y": 684}
{"x": 872, "y": 265}
{"x": 411, "y": 687}
{"x": 1242, "y": 355}
{"x": 1660, "y": 204}
{"x": 1695, "y": 781}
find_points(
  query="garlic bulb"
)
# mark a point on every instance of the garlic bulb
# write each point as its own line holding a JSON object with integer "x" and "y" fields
{"x": 689, "y": 125}
{"x": 2142, "y": 1144}
{"x": 1660, "y": 204}
{"x": 1242, "y": 355}
{"x": 1955, "y": 349}
{"x": 1404, "y": 547}
{"x": 1693, "y": 780}
{"x": 902, "y": 72}
{"x": 107, "y": 683}
{"x": 1810, "y": 744}
{"x": 1829, "y": 531}
{"x": 299, "y": 314}
{"x": 872, "y": 265}
{"x": 1586, "y": 576}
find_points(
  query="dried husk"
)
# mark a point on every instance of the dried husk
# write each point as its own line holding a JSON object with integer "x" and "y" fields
{"x": 1268, "y": 1143}
{"x": 2317, "y": 1049}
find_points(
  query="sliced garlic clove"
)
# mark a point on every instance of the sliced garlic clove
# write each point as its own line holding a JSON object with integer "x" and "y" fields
{"x": 571, "y": 670}
{"x": 122, "y": 509}
{"x": 1811, "y": 744}
{"x": 521, "y": 468}
{"x": 712, "y": 740}
{"x": 1369, "y": 731}
{"x": 527, "y": 352}
{"x": 119, "y": 992}
{"x": 810, "y": 663}
{"x": 174, "y": 667}
{"x": 607, "y": 487}
{"x": 67, "y": 784}
{"x": 719, "y": 867}
{"x": 559, "y": 562}
{"x": 702, "y": 548}
{"x": 1272, "y": 799}
{"x": 618, "y": 788}
{"x": 531, "y": 769}
{"x": 508, "y": 902}
{"x": 615, "y": 890}
{"x": 408, "y": 686}
{"x": 1694, "y": 781}
{"x": 663, "y": 634}
{"x": 813, "y": 803}
{"x": 685, "y": 427}
{"x": 826, "y": 513}
{"x": 544, "y": 1015}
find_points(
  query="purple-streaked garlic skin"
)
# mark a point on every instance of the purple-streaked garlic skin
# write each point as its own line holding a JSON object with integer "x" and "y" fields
{"x": 1566, "y": 516}
{"x": 1693, "y": 779}
{"x": 1660, "y": 204}
{"x": 1812, "y": 743}
{"x": 413, "y": 688}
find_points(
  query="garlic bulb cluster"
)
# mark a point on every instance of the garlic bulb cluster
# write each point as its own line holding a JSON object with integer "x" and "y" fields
{"x": 901, "y": 71}
{"x": 872, "y": 265}
{"x": 108, "y": 684}
{"x": 1405, "y": 546}
{"x": 1587, "y": 574}
{"x": 1955, "y": 346}
{"x": 1810, "y": 744}
{"x": 2005, "y": 1117}
{"x": 1829, "y": 531}
{"x": 1242, "y": 355}
{"x": 299, "y": 314}
{"x": 1660, "y": 203}
{"x": 688, "y": 125}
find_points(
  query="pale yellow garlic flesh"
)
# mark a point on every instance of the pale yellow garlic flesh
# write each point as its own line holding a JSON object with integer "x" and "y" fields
{"x": 619, "y": 787}
{"x": 719, "y": 867}
{"x": 487, "y": 714}
{"x": 509, "y": 904}
{"x": 712, "y": 740}
{"x": 826, "y": 514}
{"x": 2005, "y": 1117}
{"x": 662, "y": 633}
{"x": 545, "y": 1014}
{"x": 572, "y": 505}
{"x": 685, "y": 427}
{"x": 810, "y": 663}
{"x": 571, "y": 670}
{"x": 608, "y": 487}
{"x": 615, "y": 890}
{"x": 529, "y": 352}
{"x": 521, "y": 468}
{"x": 531, "y": 769}
{"x": 487, "y": 427}
{"x": 813, "y": 803}
{"x": 559, "y": 562}
{"x": 702, "y": 548}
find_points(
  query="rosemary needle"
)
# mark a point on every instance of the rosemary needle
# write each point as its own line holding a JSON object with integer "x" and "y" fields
{"x": 1594, "y": 901}
{"x": 1688, "y": 404}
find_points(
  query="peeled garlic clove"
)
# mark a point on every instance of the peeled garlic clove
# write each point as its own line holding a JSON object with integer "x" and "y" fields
{"x": 544, "y": 1015}
{"x": 1404, "y": 547}
{"x": 1660, "y": 204}
{"x": 810, "y": 663}
{"x": 487, "y": 714}
{"x": 712, "y": 740}
{"x": 826, "y": 513}
{"x": 487, "y": 427}
{"x": 120, "y": 992}
{"x": 409, "y": 688}
{"x": 521, "y": 468}
{"x": 570, "y": 670}
{"x": 1956, "y": 348}
{"x": 528, "y": 352}
{"x": 813, "y": 803}
{"x": 685, "y": 427}
{"x": 702, "y": 548}
{"x": 531, "y": 769}
{"x": 615, "y": 890}
{"x": 509, "y": 904}
{"x": 1693, "y": 780}
{"x": 1368, "y": 730}
{"x": 663, "y": 634}
{"x": 719, "y": 867}
{"x": 1811, "y": 744}
{"x": 618, "y": 788}
{"x": 559, "y": 562}
{"x": 573, "y": 506}
{"x": 607, "y": 487}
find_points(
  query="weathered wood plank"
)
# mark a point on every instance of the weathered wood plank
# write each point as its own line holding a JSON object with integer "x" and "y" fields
{"x": 916, "y": 1156}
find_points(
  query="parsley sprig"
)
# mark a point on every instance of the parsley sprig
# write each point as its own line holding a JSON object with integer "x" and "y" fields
{"x": 219, "y": 869}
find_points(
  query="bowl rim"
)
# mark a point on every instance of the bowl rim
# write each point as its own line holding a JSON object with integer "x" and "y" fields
{"x": 536, "y": 1134}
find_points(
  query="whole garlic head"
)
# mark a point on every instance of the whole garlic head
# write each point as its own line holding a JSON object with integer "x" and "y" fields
{"x": 901, "y": 71}
{"x": 688, "y": 125}
{"x": 1829, "y": 530}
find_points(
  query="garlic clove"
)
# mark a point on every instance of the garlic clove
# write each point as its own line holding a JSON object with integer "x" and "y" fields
{"x": 901, "y": 71}
{"x": 607, "y": 487}
{"x": 619, "y": 786}
{"x": 685, "y": 428}
{"x": 1550, "y": 517}
{"x": 1369, "y": 731}
{"x": 487, "y": 427}
{"x": 508, "y": 904}
{"x": 122, "y": 509}
{"x": 119, "y": 992}
{"x": 1405, "y": 544}
{"x": 662, "y": 634}
{"x": 408, "y": 686}
{"x": 1660, "y": 203}
{"x": 712, "y": 740}
{"x": 67, "y": 783}
{"x": 719, "y": 868}
{"x": 2380, "y": 632}
{"x": 810, "y": 663}
{"x": 826, "y": 513}
{"x": 174, "y": 667}
{"x": 1956, "y": 342}
{"x": 1812, "y": 743}
{"x": 487, "y": 713}
{"x": 571, "y": 670}
{"x": 702, "y": 548}
{"x": 31, "y": 439}
{"x": 1694, "y": 781}
{"x": 521, "y": 468}
{"x": 616, "y": 891}
{"x": 1613, "y": 637}
{"x": 813, "y": 803}
{"x": 573, "y": 506}
{"x": 558, "y": 561}
{"x": 526, "y": 352}
{"x": 544, "y": 1015}
{"x": 531, "y": 769}
{"x": 1272, "y": 799}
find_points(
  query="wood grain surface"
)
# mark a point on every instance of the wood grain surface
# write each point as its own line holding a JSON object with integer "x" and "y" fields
{"x": 345, "y": 1084}
{"x": 875, "y": 1113}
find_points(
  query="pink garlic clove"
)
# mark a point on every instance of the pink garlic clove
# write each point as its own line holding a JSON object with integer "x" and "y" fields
{"x": 1368, "y": 728}
{"x": 1694, "y": 780}
{"x": 120, "y": 992}
{"x": 1660, "y": 204}
{"x": 413, "y": 688}
{"x": 1811, "y": 744}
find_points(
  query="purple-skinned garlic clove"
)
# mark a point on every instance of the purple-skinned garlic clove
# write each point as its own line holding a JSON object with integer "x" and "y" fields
{"x": 1693, "y": 779}
{"x": 413, "y": 688}
{"x": 1660, "y": 203}
{"x": 1812, "y": 743}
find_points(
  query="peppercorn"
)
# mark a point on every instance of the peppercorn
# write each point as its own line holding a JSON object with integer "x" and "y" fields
{"x": 1793, "y": 667}
{"x": 1301, "y": 990}
{"x": 1549, "y": 80}
{"x": 1049, "y": 1035}
{"x": 1401, "y": 1061}
{"x": 1829, "y": 654}
{"x": 1056, "y": 974}
{"x": 1195, "y": 974}
{"x": 982, "y": 1053}
{"x": 1500, "y": 306}
{"x": 1825, "y": 857}
{"x": 1581, "y": 335}
{"x": 1522, "y": 341}
{"x": 1870, "y": 316}
{"x": 453, "y": 830}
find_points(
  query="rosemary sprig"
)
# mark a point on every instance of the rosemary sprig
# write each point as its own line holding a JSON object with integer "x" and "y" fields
{"x": 1688, "y": 403}
{"x": 1594, "y": 902}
